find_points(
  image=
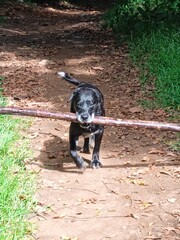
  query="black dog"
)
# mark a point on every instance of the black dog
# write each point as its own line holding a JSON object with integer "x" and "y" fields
{"x": 87, "y": 102}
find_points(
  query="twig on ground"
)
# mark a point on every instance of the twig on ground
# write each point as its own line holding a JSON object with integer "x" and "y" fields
{"x": 83, "y": 189}
{"x": 112, "y": 191}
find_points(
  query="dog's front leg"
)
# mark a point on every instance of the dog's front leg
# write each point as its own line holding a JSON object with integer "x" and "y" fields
{"x": 96, "y": 163}
{"x": 77, "y": 159}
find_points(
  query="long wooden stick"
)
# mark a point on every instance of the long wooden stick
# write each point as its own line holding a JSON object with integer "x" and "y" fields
{"x": 97, "y": 120}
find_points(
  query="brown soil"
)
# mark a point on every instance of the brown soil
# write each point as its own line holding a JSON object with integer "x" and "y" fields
{"x": 136, "y": 193}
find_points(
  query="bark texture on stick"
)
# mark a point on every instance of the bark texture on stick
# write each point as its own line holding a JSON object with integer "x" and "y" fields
{"x": 98, "y": 120}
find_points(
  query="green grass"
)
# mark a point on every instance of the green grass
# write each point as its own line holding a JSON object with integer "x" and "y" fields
{"x": 158, "y": 57}
{"x": 151, "y": 29}
{"x": 175, "y": 145}
{"x": 17, "y": 184}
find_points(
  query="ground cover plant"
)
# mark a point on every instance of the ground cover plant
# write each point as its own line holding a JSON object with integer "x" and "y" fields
{"x": 158, "y": 57}
{"x": 151, "y": 29}
{"x": 16, "y": 183}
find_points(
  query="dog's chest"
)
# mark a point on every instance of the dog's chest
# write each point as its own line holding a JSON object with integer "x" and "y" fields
{"x": 88, "y": 135}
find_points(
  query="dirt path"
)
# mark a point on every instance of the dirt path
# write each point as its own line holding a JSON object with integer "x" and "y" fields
{"x": 136, "y": 194}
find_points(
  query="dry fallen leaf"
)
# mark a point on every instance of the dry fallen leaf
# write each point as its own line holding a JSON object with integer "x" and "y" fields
{"x": 145, "y": 159}
{"x": 165, "y": 172}
{"x": 145, "y": 205}
{"x": 177, "y": 170}
{"x": 41, "y": 219}
{"x": 68, "y": 238}
{"x": 176, "y": 213}
{"x": 172, "y": 200}
{"x": 142, "y": 183}
{"x": 98, "y": 211}
{"x": 171, "y": 154}
{"x": 50, "y": 184}
{"x": 33, "y": 135}
{"x": 172, "y": 229}
{"x": 40, "y": 209}
{"x": 112, "y": 155}
{"x": 151, "y": 224}
{"x": 87, "y": 201}
{"x": 134, "y": 216}
{"x": 139, "y": 182}
{"x": 62, "y": 215}
{"x": 135, "y": 109}
{"x": 98, "y": 68}
{"x": 156, "y": 151}
{"x": 111, "y": 210}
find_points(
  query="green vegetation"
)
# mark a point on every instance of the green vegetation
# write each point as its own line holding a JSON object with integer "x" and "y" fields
{"x": 2, "y": 19}
{"x": 16, "y": 183}
{"x": 1, "y": 82}
{"x": 134, "y": 17}
{"x": 175, "y": 145}
{"x": 158, "y": 56}
{"x": 151, "y": 28}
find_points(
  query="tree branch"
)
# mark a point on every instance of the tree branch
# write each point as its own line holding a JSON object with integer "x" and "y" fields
{"x": 97, "y": 120}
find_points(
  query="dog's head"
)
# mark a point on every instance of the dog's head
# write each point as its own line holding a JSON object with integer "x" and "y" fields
{"x": 84, "y": 103}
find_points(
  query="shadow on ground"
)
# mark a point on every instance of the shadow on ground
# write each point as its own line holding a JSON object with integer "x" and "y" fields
{"x": 55, "y": 156}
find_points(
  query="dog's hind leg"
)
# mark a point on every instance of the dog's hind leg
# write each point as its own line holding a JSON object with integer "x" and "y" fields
{"x": 86, "y": 145}
{"x": 92, "y": 141}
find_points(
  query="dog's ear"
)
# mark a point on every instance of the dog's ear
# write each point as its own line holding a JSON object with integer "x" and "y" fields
{"x": 72, "y": 96}
{"x": 99, "y": 97}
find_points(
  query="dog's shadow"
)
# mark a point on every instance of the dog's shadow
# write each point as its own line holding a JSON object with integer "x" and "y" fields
{"x": 55, "y": 156}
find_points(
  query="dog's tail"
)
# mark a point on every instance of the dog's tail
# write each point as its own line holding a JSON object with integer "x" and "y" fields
{"x": 69, "y": 78}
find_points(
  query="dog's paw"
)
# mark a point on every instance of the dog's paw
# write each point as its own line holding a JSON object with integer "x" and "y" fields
{"x": 81, "y": 164}
{"x": 96, "y": 164}
{"x": 84, "y": 150}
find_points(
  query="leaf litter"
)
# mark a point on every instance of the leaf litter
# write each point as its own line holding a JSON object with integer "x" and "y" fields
{"x": 139, "y": 172}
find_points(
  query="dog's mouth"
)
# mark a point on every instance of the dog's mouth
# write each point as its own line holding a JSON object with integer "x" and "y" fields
{"x": 84, "y": 119}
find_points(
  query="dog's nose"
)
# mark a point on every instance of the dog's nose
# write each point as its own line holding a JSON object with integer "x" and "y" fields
{"x": 84, "y": 116}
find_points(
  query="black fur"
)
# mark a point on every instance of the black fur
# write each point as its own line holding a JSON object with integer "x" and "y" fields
{"x": 86, "y": 102}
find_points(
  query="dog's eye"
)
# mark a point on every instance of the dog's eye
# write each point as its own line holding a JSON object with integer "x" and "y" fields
{"x": 80, "y": 104}
{"x": 89, "y": 103}
{"x": 92, "y": 104}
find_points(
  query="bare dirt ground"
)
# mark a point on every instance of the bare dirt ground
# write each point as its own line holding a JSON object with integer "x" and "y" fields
{"x": 136, "y": 193}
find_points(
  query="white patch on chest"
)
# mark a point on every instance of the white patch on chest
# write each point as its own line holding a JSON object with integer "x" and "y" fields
{"x": 89, "y": 135}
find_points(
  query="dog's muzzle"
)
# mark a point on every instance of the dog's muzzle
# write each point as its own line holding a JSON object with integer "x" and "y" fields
{"x": 85, "y": 118}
